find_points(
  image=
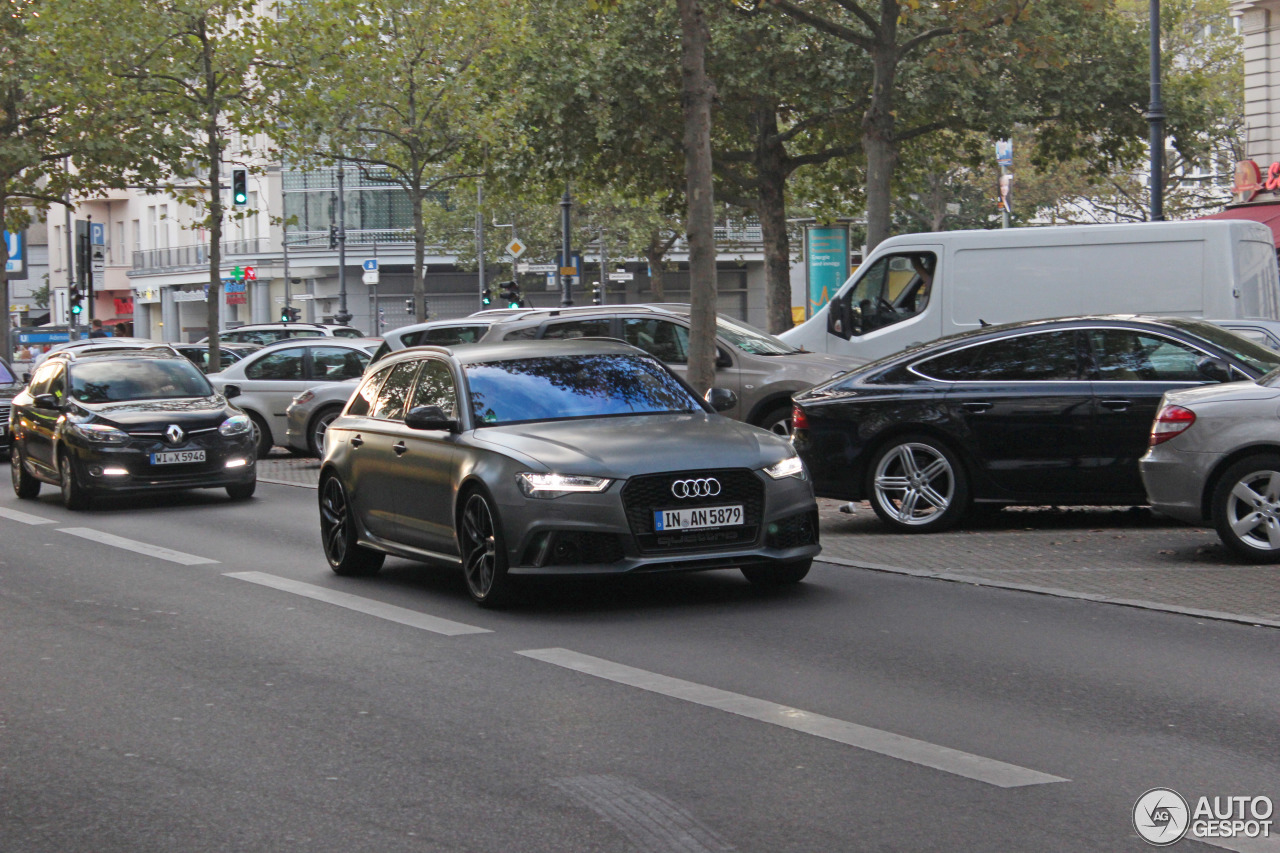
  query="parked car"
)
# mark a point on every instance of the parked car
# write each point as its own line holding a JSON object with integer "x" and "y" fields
{"x": 1039, "y": 412}
{"x": 262, "y": 334}
{"x": 10, "y": 386}
{"x": 228, "y": 354}
{"x": 102, "y": 345}
{"x": 267, "y": 380}
{"x": 1215, "y": 459}
{"x": 95, "y": 422}
{"x": 556, "y": 457}
{"x": 761, "y": 370}
{"x": 309, "y": 415}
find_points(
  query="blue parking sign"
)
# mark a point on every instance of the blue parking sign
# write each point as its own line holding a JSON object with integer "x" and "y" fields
{"x": 371, "y": 265}
{"x": 16, "y": 267}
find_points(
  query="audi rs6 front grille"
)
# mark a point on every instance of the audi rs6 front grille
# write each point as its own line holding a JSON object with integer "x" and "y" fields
{"x": 642, "y": 496}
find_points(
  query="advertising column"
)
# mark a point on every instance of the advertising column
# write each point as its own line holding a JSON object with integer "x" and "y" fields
{"x": 826, "y": 250}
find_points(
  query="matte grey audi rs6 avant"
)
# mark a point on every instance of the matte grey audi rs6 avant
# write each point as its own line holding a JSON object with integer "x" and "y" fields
{"x": 556, "y": 458}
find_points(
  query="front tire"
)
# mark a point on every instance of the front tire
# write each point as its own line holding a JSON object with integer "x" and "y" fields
{"x": 778, "y": 421}
{"x": 261, "y": 436}
{"x": 484, "y": 553}
{"x": 778, "y": 574}
{"x": 73, "y": 495}
{"x": 918, "y": 485}
{"x": 338, "y": 534}
{"x": 242, "y": 491}
{"x": 1246, "y": 508}
{"x": 25, "y": 486}
{"x": 320, "y": 426}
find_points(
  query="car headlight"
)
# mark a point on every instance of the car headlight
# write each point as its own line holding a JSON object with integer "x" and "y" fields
{"x": 235, "y": 425}
{"x": 789, "y": 467}
{"x": 100, "y": 433}
{"x": 556, "y": 485}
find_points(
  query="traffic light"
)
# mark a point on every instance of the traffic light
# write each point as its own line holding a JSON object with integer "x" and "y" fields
{"x": 239, "y": 187}
{"x": 511, "y": 294}
{"x": 595, "y": 295}
{"x": 289, "y": 315}
{"x": 333, "y": 236}
{"x": 408, "y": 305}
{"x": 75, "y": 300}
{"x": 486, "y": 298}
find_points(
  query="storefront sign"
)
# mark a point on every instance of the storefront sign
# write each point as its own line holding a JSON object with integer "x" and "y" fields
{"x": 1248, "y": 180}
{"x": 124, "y": 306}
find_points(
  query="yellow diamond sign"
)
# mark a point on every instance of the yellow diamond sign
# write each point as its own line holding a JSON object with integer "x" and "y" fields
{"x": 515, "y": 248}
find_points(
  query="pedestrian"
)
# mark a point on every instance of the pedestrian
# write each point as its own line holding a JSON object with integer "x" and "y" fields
{"x": 120, "y": 331}
{"x": 96, "y": 330}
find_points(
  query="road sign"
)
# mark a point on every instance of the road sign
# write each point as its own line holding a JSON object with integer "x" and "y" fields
{"x": 515, "y": 248}
{"x": 371, "y": 277}
{"x": 621, "y": 276}
{"x": 97, "y": 259}
{"x": 371, "y": 265}
{"x": 17, "y": 262}
{"x": 568, "y": 270}
{"x": 98, "y": 233}
{"x": 535, "y": 268}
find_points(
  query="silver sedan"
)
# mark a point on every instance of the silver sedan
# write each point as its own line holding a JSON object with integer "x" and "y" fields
{"x": 556, "y": 458}
{"x": 1215, "y": 458}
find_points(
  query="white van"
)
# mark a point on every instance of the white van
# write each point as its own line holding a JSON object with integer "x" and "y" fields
{"x": 917, "y": 287}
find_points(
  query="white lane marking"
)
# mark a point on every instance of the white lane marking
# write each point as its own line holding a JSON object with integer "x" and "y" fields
{"x": 368, "y": 606}
{"x": 873, "y": 740}
{"x": 653, "y": 823}
{"x": 24, "y": 517}
{"x": 136, "y": 546}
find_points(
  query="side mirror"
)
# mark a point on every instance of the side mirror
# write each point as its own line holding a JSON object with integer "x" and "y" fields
{"x": 721, "y": 399}
{"x": 1213, "y": 370}
{"x": 429, "y": 417}
{"x": 840, "y": 317}
{"x": 231, "y": 391}
{"x": 45, "y": 401}
{"x": 723, "y": 359}
{"x": 26, "y": 379}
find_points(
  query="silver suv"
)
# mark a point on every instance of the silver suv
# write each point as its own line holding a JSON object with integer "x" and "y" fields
{"x": 760, "y": 369}
{"x": 262, "y": 334}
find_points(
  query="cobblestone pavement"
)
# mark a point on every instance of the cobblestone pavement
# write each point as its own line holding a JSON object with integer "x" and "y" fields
{"x": 1119, "y": 555}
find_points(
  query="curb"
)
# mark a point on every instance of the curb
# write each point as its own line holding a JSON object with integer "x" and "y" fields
{"x": 1255, "y": 621}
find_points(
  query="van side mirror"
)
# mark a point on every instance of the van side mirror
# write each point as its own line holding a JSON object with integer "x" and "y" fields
{"x": 1213, "y": 370}
{"x": 231, "y": 391}
{"x": 721, "y": 399}
{"x": 429, "y": 417}
{"x": 45, "y": 401}
{"x": 840, "y": 316}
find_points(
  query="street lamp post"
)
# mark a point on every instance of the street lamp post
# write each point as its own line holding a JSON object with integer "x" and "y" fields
{"x": 343, "y": 316}
{"x": 566, "y": 256}
{"x": 1155, "y": 116}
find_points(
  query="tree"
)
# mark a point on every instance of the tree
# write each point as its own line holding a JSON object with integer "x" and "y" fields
{"x": 51, "y": 146}
{"x": 412, "y": 92}
{"x": 195, "y": 62}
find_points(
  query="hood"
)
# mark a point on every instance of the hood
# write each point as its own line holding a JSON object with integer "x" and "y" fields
{"x": 821, "y": 365}
{"x": 629, "y": 446}
{"x": 1227, "y": 391}
{"x": 189, "y": 413}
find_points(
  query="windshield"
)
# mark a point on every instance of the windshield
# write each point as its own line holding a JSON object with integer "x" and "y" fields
{"x": 580, "y": 386}
{"x": 112, "y": 381}
{"x": 1256, "y": 356}
{"x": 752, "y": 340}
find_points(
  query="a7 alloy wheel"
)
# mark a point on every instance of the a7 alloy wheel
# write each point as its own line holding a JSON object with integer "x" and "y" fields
{"x": 917, "y": 485}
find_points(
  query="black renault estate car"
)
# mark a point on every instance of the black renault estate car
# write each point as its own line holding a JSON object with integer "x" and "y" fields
{"x": 112, "y": 422}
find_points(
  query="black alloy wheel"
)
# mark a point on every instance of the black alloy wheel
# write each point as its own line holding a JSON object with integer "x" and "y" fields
{"x": 25, "y": 486}
{"x": 338, "y": 534}
{"x": 918, "y": 485}
{"x": 778, "y": 574}
{"x": 73, "y": 495}
{"x": 484, "y": 556}
{"x": 1246, "y": 508}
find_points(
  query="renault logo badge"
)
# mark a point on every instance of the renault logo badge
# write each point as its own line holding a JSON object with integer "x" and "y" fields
{"x": 174, "y": 434}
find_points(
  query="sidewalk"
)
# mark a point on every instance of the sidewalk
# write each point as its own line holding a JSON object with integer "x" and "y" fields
{"x": 1109, "y": 554}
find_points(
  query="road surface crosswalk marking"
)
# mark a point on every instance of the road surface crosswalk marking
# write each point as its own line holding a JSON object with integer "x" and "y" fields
{"x": 873, "y": 740}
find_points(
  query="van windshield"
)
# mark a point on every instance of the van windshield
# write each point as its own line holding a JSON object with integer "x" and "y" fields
{"x": 752, "y": 340}
{"x": 1258, "y": 357}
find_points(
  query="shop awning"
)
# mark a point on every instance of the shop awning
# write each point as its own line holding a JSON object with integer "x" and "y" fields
{"x": 1267, "y": 214}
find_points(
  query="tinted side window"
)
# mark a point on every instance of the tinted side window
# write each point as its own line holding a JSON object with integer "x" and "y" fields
{"x": 362, "y": 400}
{"x": 283, "y": 364}
{"x": 348, "y": 333}
{"x": 1043, "y": 357}
{"x": 577, "y": 329}
{"x": 662, "y": 339}
{"x": 336, "y": 364}
{"x": 526, "y": 334}
{"x": 453, "y": 335}
{"x": 1127, "y": 355}
{"x": 395, "y": 392}
{"x": 435, "y": 388}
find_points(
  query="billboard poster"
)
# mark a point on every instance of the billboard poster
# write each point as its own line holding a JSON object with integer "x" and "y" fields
{"x": 826, "y": 263}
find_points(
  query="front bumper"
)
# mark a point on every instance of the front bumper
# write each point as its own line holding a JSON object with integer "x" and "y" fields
{"x": 102, "y": 470}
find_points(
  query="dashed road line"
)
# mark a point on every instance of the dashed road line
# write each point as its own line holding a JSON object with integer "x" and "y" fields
{"x": 921, "y": 752}
{"x": 368, "y": 606}
{"x": 24, "y": 517}
{"x": 137, "y": 547}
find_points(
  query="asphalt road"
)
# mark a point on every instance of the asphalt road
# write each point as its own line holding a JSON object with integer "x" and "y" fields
{"x": 185, "y": 674}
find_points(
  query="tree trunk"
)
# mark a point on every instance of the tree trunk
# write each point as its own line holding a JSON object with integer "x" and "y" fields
{"x": 697, "y": 96}
{"x": 878, "y": 140}
{"x": 419, "y": 259}
{"x": 656, "y": 255}
{"x": 213, "y": 150}
{"x": 771, "y": 172}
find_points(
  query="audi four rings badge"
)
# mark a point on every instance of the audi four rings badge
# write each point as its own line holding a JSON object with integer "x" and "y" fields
{"x": 708, "y": 487}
